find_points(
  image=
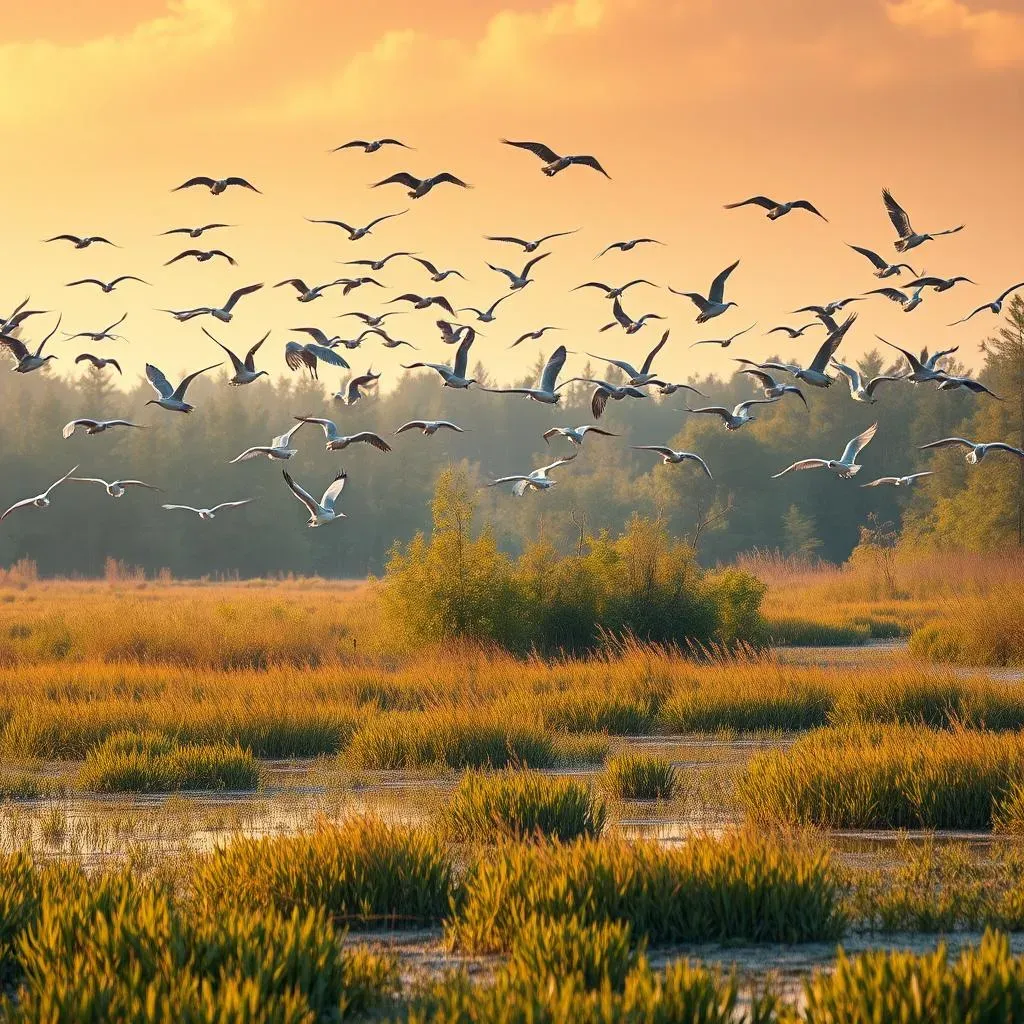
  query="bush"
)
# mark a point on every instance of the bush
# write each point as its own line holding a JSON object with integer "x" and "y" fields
{"x": 521, "y": 805}
{"x": 637, "y": 776}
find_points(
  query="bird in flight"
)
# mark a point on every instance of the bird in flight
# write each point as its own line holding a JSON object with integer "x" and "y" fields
{"x": 553, "y": 163}
{"x": 645, "y": 375}
{"x": 529, "y": 245}
{"x": 724, "y": 342}
{"x": 353, "y": 392}
{"x": 355, "y": 233}
{"x": 307, "y": 293}
{"x": 115, "y": 488}
{"x": 520, "y": 280}
{"x": 609, "y": 291}
{"x": 546, "y": 391}
{"x": 919, "y": 373}
{"x": 97, "y": 362}
{"x": 106, "y": 286}
{"x": 715, "y": 304}
{"x": 106, "y": 334}
{"x": 280, "y": 448}
{"x": 672, "y": 457}
{"x": 976, "y": 451}
{"x": 222, "y": 313}
{"x": 209, "y": 513}
{"x": 195, "y": 232}
{"x": 201, "y": 256}
{"x": 297, "y": 355}
{"x": 485, "y": 316}
{"x": 91, "y": 426}
{"x": 940, "y": 284}
{"x": 845, "y": 466}
{"x": 968, "y": 384}
{"x": 82, "y": 241}
{"x": 39, "y": 500}
{"x": 776, "y": 209}
{"x": 425, "y": 301}
{"x": 575, "y": 435}
{"x": 627, "y": 323}
{"x": 171, "y": 398}
{"x": 897, "y": 481}
{"x": 323, "y": 511}
{"x": 28, "y": 360}
{"x": 909, "y": 302}
{"x": 429, "y": 427}
{"x": 794, "y": 332}
{"x": 339, "y": 442}
{"x": 538, "y": 480}
{"x": 245, "y": 369}
{"x": 436, "y": 275}
{"x": 883, "y": 268}
{"x": 628, "y": 245}
{"x": 736, "y": 417}
{"x": 770, "y": 387}
{"x": 861, "y": 390}
{"x": 455, "y": 375}
{"x": 815, "y": 374}
{"x": 419, "y": 187}
{"x": 533, "y": 335}
{"x": 996, "y": 305}
{"x": 216, "y": 185}
{"x": 604, "y": 391}
{"x": 376, "y": 265}
{"x": 908, "y": 238}
{"x": 369, "y": 145}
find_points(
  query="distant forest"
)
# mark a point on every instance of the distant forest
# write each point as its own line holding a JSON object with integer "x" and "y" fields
{"x": 388, "y": 495}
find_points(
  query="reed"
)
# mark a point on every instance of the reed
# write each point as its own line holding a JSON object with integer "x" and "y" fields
{"x": 638, "y": 776}
{"x": 972, "y": 629}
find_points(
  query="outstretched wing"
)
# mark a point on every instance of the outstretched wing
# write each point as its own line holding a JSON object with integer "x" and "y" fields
{"x": 876, "y": 260}
{"x": 947, "y": 442}
{"x": 856, "y": 445}
{"x": 898, "y": 216}
{"x": 462, "y": 353}
{"x": 538, "y": 149}
{"x": 586, "y": 160}
{"x": 161, "y": 385}
{"x": 803, "y": 204}
{"x": 303, "y": 495}
{"x": 831, "y": 344}
{"x": 552, "y": 369}
{"x": 333, "y": 492}
{"x": 399, "y": 178}
{"x": 763, "y": 201}
{"x": 717, "y": 290}
{"x": 199, "y": 179}
{"x": 654, "y": 351}
{"x": 179, "y": 391}
{"x": 798, "y": 466}
{"x": 230, "y": 504}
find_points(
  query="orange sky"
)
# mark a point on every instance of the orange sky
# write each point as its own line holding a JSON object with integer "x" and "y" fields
{"x": 688, "y": 103}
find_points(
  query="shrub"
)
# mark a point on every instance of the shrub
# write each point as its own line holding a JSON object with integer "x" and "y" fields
{"x": 638, "y": 776}
{"x": 363, "y": 873}
{"x": 521, "y": 805}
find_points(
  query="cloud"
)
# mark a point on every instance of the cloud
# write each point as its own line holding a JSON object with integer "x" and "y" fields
{"x": 996, "y": 37}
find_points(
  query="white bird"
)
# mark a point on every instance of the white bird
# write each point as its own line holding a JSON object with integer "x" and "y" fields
{"x": 209, "y": 513}
{"x": 28, "y": 360}
{"x": 339, "y": 442}
{"x": 522, "y": 279}
{"x": 40, "y": 500}
{"x": 771, "y": 387}
{"x": 92, "y": 426}
{"x": 369, "y": 145}
{"x": 575, "y": 435}
{"x": 354, "y": 232}
{"x": 115, "y": 488}
{"x": 546, "y": 391}
{"x": 222, "y": 313}
{"x": 996, "y": 305}
{"x": 425, "y": 301}
{"x": 245, "y": 369}
{"x": 279, "y": 448}
{"x": 977, "y": 451}
{"x": 919, "y": 373}
{"x": 814, "y": 374}
{"x": 307, "y": 293}
{"x": 429, "y": 427}
{"x": 216, "y": 185}
{"x": 297, "y": 355}
{"x": 320, "y": 512}
{"x": 908, "y": 238}
{"x": 82, "y": 241}
{"x": 897, "y": 481}
{"x": 538, "y": 480}
{"x": 529, "y": 245}
{"x": 723, "y": 342}
{"x": 106, "y": 334}
{"x": 635, "y": 377}
{"x": 605, "y": 390}
{"x": 883, "y": 268}
{"x": 735, "y": 418}
{"x": 454, "y": 376}
{"x": 968, "y": 384}
{"x": 931, "y": 361}
{"x": 609, "y": 291}
{"x": 776, "y": 209}
{"x": 829, "y": 309}
{"x": 626, "y": 322}
{"x": 97, "y": 362}
{"x": 909, "y": 302}
{"x": 861, "y": 390}
{"x": 485, "y": 316}
{"x": 553, "y": 163}
{"x": 352, "y": 393}
{"x": 105, "y": 286}
{"x": 419, "y": 187}
{"x": 845, "y": 466}
{"x": 201, "y": 256}
{"x": 671, "y": 457}
{"x": 628, "y": 245}
{"x": 172, "y": 399}
{"x": 715, "y": 304}
{"x": 436, "y": 275}
{"x": 195, "y": 232}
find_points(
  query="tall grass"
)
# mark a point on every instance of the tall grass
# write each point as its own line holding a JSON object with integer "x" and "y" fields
{"x": 639, "y": 776}
{"x": 889, "y": 776}
{"x": 975, "y": 629}
{"x": 364, "y": 874}
{"x": 521, "y": 805}
{"x": 742, "y": 886}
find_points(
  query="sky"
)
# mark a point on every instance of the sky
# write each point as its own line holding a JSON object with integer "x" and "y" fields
{"x": 688, "y": 104}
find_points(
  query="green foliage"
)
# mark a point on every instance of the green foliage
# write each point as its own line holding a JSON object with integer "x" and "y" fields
{"x": 742, "y": 886}
{"x": 363, "y": 873}
{"x": 638, "y": 776}
{"x": 151, "y": 762}
{"x": 800, "y": 531}
{"x": 521, "y": 805}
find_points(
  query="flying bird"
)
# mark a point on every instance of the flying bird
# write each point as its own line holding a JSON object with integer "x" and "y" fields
{"x": 546, "y": 391}
{"x": 97, "y": 362}
{"x": 626, "y": 322}
{"x": 533, "y": 335}
{"x": 376, "y": 265}
{"x": 222, "y": 313}
{"x": 419, "y": 187}
{"x": 628, "y": 245}
{"x": 105, "y": 286}
{"x": 861, "y": 390}
{"x": 671, "y": 457}
{"x": 909, "y": 302}
{"x": 976, "y": 451}
{"x": 9, "y": 324}
{"x": 538, "y": 480}
{"x": 968, "y": 384}
{"x": 486, "y": 316}
{"x": 897, "y": 481}
{"x": 996, "y": 305}
{"x": 320, "y": 512}
{"x": 437, "y": 276}
{"x": 575, "y": 435}
{"x": 931, "y": 361}
{"x": 216, "y": 185}
{"x": 307, "y": 293}
{"x": 82, "y": 241}
{"x": 940, "y": 284}
{"x": 521, "y": 280}
{"x": 919, "y": 373}
{"x": 106, "y": 334}
{"x": 454, "y": 376}
{"x": 202, "y": 256}
{"x": 605, "y": 390}
{"x": 553, "y": 163}
{"x": 645, "y": 375}
{"x": 195, "y": 232}
{"x": 771, "y": 388}
{"x": 814, "y": 374}
{"x": 297, "y": 355}
{"x": 451, "y": 333}
{"x": 830, "y": 308}
{"x": 776, "y": 209}
{"x": 528, "y": 244}
{"x": 714, "y": 305}
{"x": 723, "y": 342}
{"x": 115, "y": 488}
{"x": 845, "y": 466}
{"x": 883, "y": 268}
{"x": 425, "y": 301}
{"x": 739, "y": 415}
{"x": 385, "y": 339}
{"x": 280, "y": 448}
{"x": 40, "y": 500}
{"x": 209, "y": 513}
{"x": 355, "y": 233}
{"x": 245, "y": 369}
{"x": 429, "y": 427}
{"x": 353, "y": 392}
{"x": 908, "y": 238}
{"x": 91, "y": 426}
{"x": 371, "y": 320}
{"x": 339, "y": 442}
{"x": 28, "y": 360}
{"x": 170, "y": 398}
{"x": 609, "y": 291}
{"x": 794, "y": 332}
{"x": 369, "y": 145}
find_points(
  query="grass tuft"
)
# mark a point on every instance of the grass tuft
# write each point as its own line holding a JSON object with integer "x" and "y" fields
{"x": 638, "y": 776}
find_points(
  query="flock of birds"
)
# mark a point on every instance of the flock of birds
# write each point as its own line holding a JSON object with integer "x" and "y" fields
{"x": 775, "y": 379}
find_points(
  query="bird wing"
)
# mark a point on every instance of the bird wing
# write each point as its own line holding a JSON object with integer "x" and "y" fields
{"x": 697, "y": 458}
{"x": 235, "y": 361}
{"x": 591, "y": 429}
{"x": 857, "y": 444}
{"x": 369, "y": 437}
{"x": 875, "y": 381}
{"x": 252, "y": 453}
{"x": 199, "y": 179}
{"x": 915, "y": 363}
{"x": 65, "y": 238}
{"x": 507, "y": 238}
{"x": 538, "y": 149}
{"x": 251, "y": 354}
{"x": 303, "y": 495}
{"x": 661, "y": 449}
{"x": 544, "y": 470}
{"x": 411, "y": 425}
{"x": 654, "y": 351}
{"x": 592, "y": 284}
{"x": 586, "y": 160}
{"x": 1009, "y": 291}
{"x": 925, "y": 282}
{"x": 17, "y": 505}
{"x": 803, "y": 204}
{"x": 329, "y": 427}
{"x": 230, "y": 504}
{"x": 627, "y": 368}
{"x": 621, "y": 316}
{"x": 440, "y": 300}
{"x": 427, "y": 265}
{"x": 717, "y": 290}
{"x": 877, "y": 260}
{"x": 533, "y": 262}
{"x": 744, "y": 406}
{"x": 138, "y": 483}
{"x": 893, "y": 294}
{"x": 333, "y": 491}
{"x": 881, "y": 480}
{"x": 179, "y": 391}
{"x": 898, "y": 216}
{"x": 461, "y": 360}
{"x": 336, "y": 223}
{"x": 69, "y": 428}
{"x": 283, "y": 440}
{"x": 449, "y": 177}
{"x": 552, "y": 369}
{"x": 328, "y": 355}
{"x": 766, "y": 379}
{"x": 16, "y": 346}
{"x": 798, "y": 466}
{"x": 762, "y": 201}
{"x": 717, "y": 410}
{"x": 848, "y": 371}
{"x": 494, "y": 483}
{"x": 831, "y": 344}
{"x": 238, "y": 293}
{"x": 383, "y": 217}
{"x": 399, "y": 178}
{"x": 235, "y": 180}
{"x": 83, "y": 280}
{"x": 161, "y": 385}
{"x": 502, "y": 270}
{"x": 187, "y": 508}
{"x": 598, "y": 401}
{"x": 296, "y": 282}
{"x": 999, "y": 446}
{"x": 948, "y": 442}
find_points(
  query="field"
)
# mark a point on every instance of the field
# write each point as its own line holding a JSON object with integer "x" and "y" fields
{"x": 449, "y": 833}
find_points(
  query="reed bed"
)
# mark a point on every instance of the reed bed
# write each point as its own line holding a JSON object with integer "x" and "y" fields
{"x": 972, "y": 629}
{"x": 886, "y": 776}
{"x": 638, "y": 776}
{"x": 521, "y": 805}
